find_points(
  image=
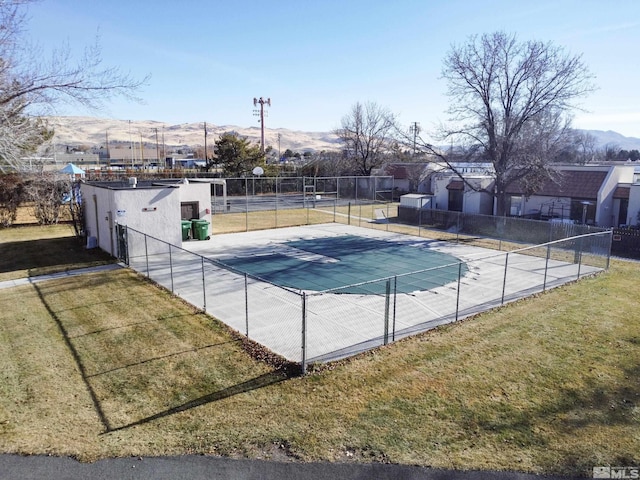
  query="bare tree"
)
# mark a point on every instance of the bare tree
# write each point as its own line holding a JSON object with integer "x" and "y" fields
{"x": 32, "y": 83}
{"x": 510, "y": 106}
{"x": 366, "y": 133}
{"x": 46, "y": 191}
{"x": 11, "y": 195}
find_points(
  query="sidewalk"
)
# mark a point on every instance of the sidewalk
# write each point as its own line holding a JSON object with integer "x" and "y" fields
{"x": 54, "y": 276}
{"x": 14, "y": 467}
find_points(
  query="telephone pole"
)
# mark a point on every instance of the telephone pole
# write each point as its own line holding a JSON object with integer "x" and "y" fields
{"x": 262, "y": 103}
{"x": 205, "y": 143}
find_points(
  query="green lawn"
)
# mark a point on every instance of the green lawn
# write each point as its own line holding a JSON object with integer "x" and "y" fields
{"x": 110, "y": 365}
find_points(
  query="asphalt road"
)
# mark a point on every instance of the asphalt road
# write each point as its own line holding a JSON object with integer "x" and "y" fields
{"x": 15, "y": 467}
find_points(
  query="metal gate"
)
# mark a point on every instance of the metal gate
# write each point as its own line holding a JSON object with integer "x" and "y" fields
{"x": 122, "y": 249}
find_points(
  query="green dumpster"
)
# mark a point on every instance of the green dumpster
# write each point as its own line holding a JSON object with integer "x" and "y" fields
{"x": 200, "y": 229}
{"x": 186, "y": 229}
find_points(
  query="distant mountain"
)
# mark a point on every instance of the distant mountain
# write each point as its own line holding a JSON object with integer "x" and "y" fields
{"x": 95, "y": 131}
{"x": 614, "y": 139}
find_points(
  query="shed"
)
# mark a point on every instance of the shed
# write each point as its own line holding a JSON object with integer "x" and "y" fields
{"x": 416, "y": 200}
{"x": 154, "y": 208}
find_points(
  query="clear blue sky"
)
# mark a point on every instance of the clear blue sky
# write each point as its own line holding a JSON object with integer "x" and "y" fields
{"x": 208, "y": 59}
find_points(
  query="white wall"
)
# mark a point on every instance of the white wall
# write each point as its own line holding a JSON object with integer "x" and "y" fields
{"x": 473, "y": 202}
{"x": 98, "y": 223}
{"x": 198, "y": 192}
{"x": 606, "y": 214}
{"x": 634, "y": 205}
{"x": 154, "y": 211}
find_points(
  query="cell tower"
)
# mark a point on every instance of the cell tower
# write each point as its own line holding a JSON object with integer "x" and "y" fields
{"x": 415, "y": 130}
{"x": 260, "y": 113}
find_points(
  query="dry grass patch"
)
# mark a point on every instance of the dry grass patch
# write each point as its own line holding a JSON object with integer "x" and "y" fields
{"x": 262, "y": 220}
{"x": 111, "y": 365}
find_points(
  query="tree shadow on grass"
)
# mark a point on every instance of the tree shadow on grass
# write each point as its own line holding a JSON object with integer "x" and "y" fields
{"x": 48, "y": 255}
{"x": 570, "y": 412}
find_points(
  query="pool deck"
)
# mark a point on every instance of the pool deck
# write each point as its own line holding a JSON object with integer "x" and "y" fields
{"x": 340, "y": 325}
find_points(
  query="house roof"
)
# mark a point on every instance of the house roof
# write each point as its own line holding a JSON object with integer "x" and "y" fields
{"x": 455, "y": 185}
{"x": 569, "y": 183}
{"x": 622, "y": 191}
{"x": 399, "y": 172}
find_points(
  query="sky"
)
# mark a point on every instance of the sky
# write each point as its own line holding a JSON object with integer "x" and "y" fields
{"x": 208, "y": 59}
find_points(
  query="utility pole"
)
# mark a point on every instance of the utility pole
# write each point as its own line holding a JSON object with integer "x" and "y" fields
{"x": 131, "y": 146}
{"x": 108, "y": 154}
{"x": 205, "y": 143}
{"x": 164, "y": 151}
{"x": 262, "y": 102}
{"x": 157, "y": 148}
{"x": 415, "y": 130}
{"x": 279, "y": 148}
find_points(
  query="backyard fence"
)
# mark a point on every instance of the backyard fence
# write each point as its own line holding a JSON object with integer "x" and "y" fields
{"x": 319, "y": 326}
{"x": 255, "y": 193}
{"x": 512, "y": 229}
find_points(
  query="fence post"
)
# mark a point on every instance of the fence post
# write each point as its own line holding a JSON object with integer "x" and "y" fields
{"x": 387, "y": 217}
{"x": 146, "y": 253}
{"x": 276, "y": 202}
{"x": 304, "y": 333}
{"x": 458, "y": 291}
{"x": 171, "y": 267}
{"x": 504, "y": 280}
{"x": 420, "y": 220}
{"x": 546, "y": 267}
{"x": 359, "y": 214}
{"x": 335, "y": 201}
{"x": 395, "y": 296}
{"x": 579, "y": 255}
{"x": 609, "y": 249}
{"x": 458, "y": 229}
{"x": 246, "y": 206}
{"x": 204, "y": 290}
{"x": 349, "y": 214}
{"x": 246, "y": 304}
{"x": 386, "y": 312}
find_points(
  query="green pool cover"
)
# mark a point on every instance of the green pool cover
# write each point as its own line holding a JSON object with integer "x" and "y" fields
{"x": 345, "y": 262}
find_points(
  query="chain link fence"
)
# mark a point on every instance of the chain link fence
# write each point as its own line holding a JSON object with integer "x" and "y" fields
{"x": 308, "y": 326}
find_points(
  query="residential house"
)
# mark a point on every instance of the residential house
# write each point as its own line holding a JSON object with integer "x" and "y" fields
{"x": 591, "y": 194}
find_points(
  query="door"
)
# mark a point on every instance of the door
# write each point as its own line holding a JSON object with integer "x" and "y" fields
{"x": 456, "y": 198}
{"x": 123, "y": 251}
{"x": 189, "y": 210}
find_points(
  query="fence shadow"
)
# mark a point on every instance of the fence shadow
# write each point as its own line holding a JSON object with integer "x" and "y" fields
{"x": 261, "y": 381}
{"x": 78, "y": 359}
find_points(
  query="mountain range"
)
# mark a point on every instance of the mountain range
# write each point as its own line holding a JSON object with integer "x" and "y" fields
{"x": 92, "y": 131}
